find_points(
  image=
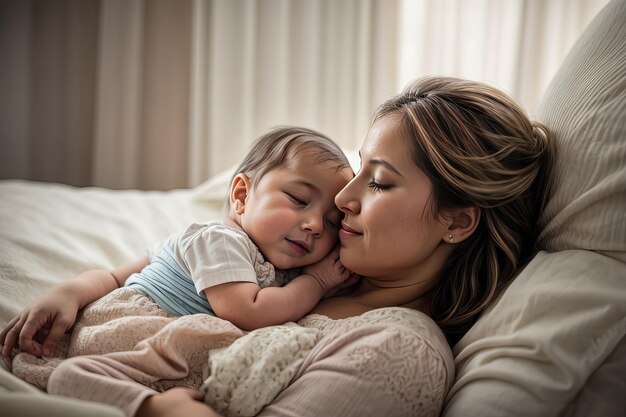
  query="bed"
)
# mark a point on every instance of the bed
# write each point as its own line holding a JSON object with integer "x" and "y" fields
{"x": 554, "y": 342}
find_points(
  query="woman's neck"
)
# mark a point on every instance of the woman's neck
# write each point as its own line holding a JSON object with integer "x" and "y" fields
{"x": 378, "y": 293}
{"x": 371, "y": 294}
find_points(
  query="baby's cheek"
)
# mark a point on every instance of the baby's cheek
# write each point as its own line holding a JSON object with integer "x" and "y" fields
{"x": 328, "y": 243}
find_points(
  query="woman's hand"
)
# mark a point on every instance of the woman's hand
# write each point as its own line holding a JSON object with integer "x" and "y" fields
{"x": 38, "y": 329}
{"x": 176, "y": 402}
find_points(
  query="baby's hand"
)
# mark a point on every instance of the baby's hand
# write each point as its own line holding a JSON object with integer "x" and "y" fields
{"x": 329, "y": 272}
{"x": 40, "y": 326}
{"x": 351, "y": 281}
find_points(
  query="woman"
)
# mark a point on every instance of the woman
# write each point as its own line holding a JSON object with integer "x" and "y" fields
{"x": 440, "y": 216}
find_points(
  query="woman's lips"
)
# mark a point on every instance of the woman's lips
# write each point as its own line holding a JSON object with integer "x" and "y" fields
{"x": 346, "y": 231}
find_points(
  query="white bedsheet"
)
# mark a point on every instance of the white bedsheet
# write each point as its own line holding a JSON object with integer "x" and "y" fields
{"x": 51, "y": 232}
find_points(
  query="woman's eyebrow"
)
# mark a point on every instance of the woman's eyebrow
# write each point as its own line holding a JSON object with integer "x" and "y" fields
{"x": 378, "y": 161}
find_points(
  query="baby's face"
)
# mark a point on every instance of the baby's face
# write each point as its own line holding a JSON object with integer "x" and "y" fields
{"x": 291, "y": 215}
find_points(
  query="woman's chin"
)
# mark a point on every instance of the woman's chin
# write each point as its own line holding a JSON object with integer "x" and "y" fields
{"x": 352, "y": 262}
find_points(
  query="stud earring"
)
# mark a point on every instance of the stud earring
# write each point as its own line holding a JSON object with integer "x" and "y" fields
{"x": 450, "y": 238}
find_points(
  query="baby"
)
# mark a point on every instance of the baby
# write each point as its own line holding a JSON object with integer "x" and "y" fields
{"x": 269, "y": 262}
{"x": 282, "y": 217}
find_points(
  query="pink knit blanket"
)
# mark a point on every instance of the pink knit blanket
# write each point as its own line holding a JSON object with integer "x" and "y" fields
{"x": 126, "y": 320}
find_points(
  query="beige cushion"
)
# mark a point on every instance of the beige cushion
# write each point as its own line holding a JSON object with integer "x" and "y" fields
{"x": 537, "y": 346}
{"x": 585, "y": 107}
{"x": 606, "y": 382}
{"x": 555, "y": 326}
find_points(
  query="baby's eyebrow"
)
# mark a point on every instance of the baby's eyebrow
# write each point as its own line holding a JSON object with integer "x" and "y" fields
{"x": 307, "y": 184}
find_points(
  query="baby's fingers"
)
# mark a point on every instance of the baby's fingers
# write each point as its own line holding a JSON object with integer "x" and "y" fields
{"x": 26, "y": 335}
{"x": 59, "y": 327}
{"x": 8, "y": 327}
{"x": 10, "y": 334}
{"x": 352, "y": 279}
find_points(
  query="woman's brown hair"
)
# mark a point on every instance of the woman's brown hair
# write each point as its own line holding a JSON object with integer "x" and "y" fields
{"x": 479, "y": 149}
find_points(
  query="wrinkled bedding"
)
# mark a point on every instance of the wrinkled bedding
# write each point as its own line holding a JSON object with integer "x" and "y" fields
{"x": 51, "y": 232}
{"x": 240, "y": 372}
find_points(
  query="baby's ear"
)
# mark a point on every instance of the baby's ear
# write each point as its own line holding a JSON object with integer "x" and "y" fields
{"x": 239, "y": 189}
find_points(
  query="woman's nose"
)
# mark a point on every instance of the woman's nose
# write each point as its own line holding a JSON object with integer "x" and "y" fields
{"x": 346, "y": 201}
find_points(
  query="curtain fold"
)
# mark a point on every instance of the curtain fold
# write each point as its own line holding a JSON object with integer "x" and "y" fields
{"x": 117, "y": 127}
{"x": 162, "y": 94}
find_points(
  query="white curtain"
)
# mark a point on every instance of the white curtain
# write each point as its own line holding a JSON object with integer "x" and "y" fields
{"x": 161, "y": 94}
{"x": 516, "y": 45}
{"x": 320, "y": 64}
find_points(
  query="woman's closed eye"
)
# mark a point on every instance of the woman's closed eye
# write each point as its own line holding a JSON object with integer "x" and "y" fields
{"x": 377, "y": 186}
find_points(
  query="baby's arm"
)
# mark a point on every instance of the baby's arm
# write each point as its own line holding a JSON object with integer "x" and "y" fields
{"x": 39, "y": 327}
{"x": 250, "y": 307}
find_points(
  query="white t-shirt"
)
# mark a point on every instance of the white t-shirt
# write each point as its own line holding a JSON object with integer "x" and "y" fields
{"x": 213, "y": 254}
{"x": 201, "y": 257}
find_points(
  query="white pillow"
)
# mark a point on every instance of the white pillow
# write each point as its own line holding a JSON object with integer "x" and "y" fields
{"x": 534, "y": 350}
{"x": 585, "y": 107}
{"x": 214, "y": 189}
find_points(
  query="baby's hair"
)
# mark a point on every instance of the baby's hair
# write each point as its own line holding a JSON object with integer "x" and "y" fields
{"x": 478, "y": 148}
{"x": 275, "y": 147}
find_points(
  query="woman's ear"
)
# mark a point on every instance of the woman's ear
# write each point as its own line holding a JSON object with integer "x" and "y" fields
{"x": 239, "y": 189}
{"x": 463, "y": 222}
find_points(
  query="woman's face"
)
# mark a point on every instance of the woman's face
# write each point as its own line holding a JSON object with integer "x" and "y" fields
{"x": 388, "y": 231}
